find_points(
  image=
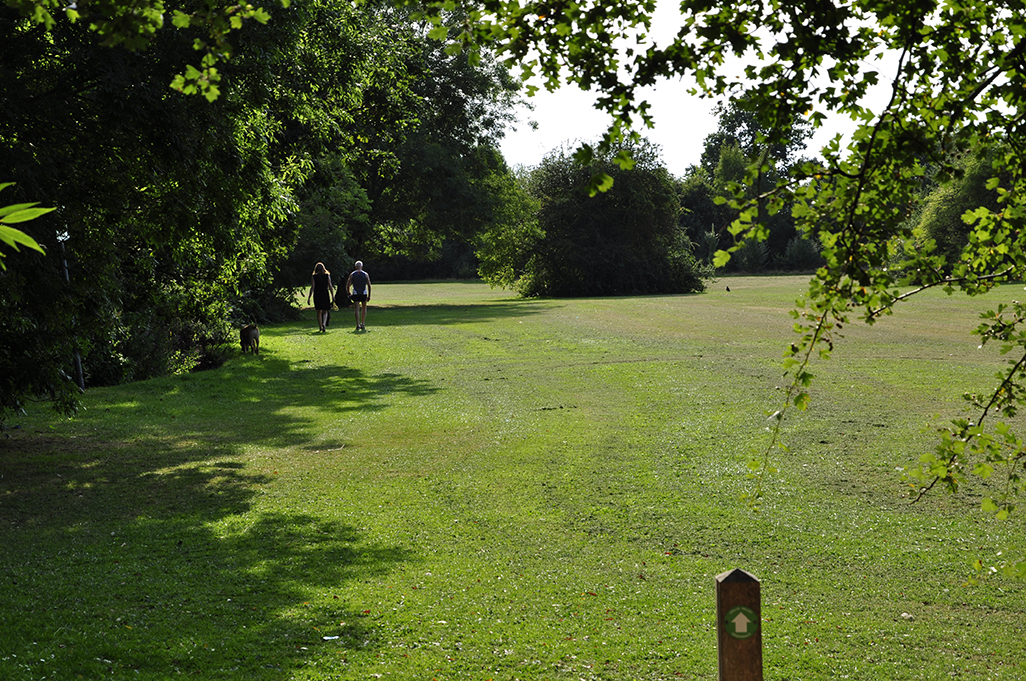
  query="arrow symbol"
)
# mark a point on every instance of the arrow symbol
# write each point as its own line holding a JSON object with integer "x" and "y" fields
{"x": 741, "y": 623}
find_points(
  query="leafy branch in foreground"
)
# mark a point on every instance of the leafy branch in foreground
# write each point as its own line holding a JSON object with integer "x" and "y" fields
{"x": 133, "y": 25}
{"x": 967, "y": 447}
{"x": 216, "y": 23}
{"x": 13, "y": 214}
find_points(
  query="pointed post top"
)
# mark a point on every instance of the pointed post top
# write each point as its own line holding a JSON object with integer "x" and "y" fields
{"x": 736, "y": 575}
{"x": 739, "y": 626}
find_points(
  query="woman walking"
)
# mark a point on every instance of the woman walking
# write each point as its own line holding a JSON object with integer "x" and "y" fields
{"x": 321, "y": 290}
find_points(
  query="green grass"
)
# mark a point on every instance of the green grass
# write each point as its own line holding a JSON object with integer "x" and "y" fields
{"x": 481, "y": 487}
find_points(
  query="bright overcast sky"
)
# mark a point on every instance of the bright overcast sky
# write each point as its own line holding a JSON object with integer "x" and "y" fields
{"x": 566, "y": 116}
{"x": 682, "y": 121}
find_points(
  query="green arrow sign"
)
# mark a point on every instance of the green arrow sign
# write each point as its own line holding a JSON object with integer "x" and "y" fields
{"x": 741, "y": 622}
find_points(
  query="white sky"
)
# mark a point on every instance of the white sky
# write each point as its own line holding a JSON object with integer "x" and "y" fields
{"x": 682, "y": 121}
{"x": 567, "y": 116}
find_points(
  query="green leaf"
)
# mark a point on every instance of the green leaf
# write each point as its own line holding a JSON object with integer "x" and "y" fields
{"x": 600, "y": 182}
{"x": 5, "y": 210}
{"x": 211, "y": 92}
{"x": 181, "y": 19}
{"x": 21, "y": 212}
{"x": 624, "y": 160}
{"x": 12, "y": 237}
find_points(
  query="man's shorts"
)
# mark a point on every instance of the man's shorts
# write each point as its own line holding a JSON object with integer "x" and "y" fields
{"x": 358, "y": 298}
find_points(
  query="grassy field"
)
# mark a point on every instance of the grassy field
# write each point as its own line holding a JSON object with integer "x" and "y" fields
{"x": 482, "y": 487}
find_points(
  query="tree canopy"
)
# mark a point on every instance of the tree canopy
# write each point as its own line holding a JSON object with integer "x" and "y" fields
{"x": 726, "y": 156}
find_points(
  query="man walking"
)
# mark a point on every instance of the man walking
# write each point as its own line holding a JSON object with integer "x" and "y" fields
{"x": 359, "y": 288}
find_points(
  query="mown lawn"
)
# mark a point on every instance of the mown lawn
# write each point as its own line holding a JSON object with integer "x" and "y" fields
{"x": 482, "y": 487}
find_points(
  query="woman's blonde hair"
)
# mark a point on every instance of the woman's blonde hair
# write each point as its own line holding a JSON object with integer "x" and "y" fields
{"x": 320, "y": 269}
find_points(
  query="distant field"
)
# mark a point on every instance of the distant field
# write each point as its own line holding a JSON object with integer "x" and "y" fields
{"x": 482, "y": 487}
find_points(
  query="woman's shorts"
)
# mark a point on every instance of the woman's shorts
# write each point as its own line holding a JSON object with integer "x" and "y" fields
{"x": 358, "y": 297}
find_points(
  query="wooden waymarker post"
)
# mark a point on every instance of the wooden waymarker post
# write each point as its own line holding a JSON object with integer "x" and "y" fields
{"x": 739, "y": 626}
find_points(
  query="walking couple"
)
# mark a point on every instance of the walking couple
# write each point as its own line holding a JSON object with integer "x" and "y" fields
{"x": 358, "y": 288}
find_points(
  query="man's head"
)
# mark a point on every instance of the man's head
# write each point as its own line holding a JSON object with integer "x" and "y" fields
{"x": 359, "y": 264}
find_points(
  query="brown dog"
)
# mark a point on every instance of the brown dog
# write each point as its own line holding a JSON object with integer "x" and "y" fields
{"x": 250, "y": 336}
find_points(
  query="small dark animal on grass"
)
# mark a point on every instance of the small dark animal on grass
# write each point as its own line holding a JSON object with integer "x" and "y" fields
{"x": 250, "y": 336}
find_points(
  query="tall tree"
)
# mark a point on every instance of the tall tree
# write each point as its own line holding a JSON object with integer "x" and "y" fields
{"x": 505, "y": 248}
{"x": 739, "y": 142}
{"x": 421, "y": 143}
{"x": 424, "y": 182}
{"x": 740, "y": 126}
{"x": 334, "y": 212}
{"x": 624, "y": 241}
{"x": 184, "y": 210}
{"x": 161, "y": 199}
{"x": 942, "y": 218}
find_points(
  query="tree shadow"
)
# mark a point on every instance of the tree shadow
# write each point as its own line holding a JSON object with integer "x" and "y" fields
{"x": 444, "y": 314}
{"x": 439, "y": 314}
{"x": 256, "y": 400}
{"x": 138, "y": 558}
{"x": 148, "y": 555}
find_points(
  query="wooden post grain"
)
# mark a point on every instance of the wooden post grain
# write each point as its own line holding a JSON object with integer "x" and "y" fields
{"x": 739, "y": 626}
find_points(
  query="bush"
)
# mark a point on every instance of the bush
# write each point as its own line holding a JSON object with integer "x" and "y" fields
{"x": 801, "y": 255}
{"x": 752, "y": 257}
{"x": 266, "y": 305}
{"x": 624, "y": 241}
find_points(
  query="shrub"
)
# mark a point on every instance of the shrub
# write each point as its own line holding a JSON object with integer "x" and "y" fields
{"x": 753, "y": 256}
{"x": 624, "y": 241}
{"x": 801, "y": 255}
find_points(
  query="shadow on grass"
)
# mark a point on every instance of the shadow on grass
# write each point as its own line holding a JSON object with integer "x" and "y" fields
{"x": 255, "y": 400}
{"x": 111, "y": 567}
{"x": 146, "y": 556}
{"x": 445, "y": 314}
{"x": 438, "y": 314}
